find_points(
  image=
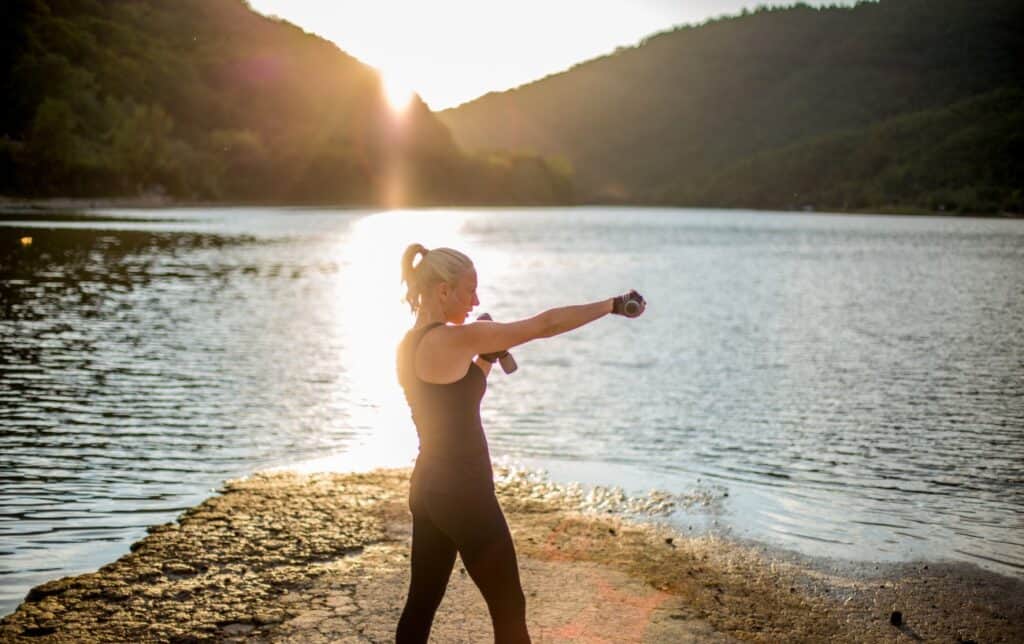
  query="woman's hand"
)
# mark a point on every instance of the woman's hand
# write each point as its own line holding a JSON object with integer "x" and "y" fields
{"x": 630, "y": 304}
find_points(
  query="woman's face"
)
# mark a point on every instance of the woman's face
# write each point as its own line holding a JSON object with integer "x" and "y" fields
{"x": 459, "y": 299}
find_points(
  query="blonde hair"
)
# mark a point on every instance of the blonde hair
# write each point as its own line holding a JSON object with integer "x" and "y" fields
{"x": 435, "y": 265}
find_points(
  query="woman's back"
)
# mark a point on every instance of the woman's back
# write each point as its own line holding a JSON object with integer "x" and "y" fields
{"x": 453, "y": 448}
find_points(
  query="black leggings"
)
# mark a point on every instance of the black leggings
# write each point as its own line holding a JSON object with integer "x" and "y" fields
{"x": 473, "y": 525}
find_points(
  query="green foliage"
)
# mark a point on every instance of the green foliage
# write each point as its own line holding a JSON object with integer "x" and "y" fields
{"x": 141, "y": 145}
{"x": 53, "y": 150}
{"x": 205, "y": 99}
{"x": 963, "y": 158}
{"x": 894, "y": 103}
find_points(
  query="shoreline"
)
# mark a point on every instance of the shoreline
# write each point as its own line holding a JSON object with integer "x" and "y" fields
{"x": 159, "y": 202}
{"x": 282, "y": 556}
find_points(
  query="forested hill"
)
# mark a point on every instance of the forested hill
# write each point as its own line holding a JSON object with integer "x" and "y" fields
{"x": 900, "y": 103}
{"x": 207, "y": 100}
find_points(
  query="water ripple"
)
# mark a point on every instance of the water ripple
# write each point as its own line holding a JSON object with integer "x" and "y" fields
{"x": 852, "y": 383}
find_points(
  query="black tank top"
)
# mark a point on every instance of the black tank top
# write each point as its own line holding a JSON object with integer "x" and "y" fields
{"x": 453, "y": 448}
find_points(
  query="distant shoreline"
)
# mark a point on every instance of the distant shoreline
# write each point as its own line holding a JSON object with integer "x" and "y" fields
{"x": 10, "y": 204}
{"x": 285, "y": 556}
{"x": 75, "y": 203}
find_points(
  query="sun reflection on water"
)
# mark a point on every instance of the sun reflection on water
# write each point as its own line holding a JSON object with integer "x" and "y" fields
{"x": 368, "y": 306}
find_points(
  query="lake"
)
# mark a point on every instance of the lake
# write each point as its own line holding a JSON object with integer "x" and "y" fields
{"x": 833, "y": 385}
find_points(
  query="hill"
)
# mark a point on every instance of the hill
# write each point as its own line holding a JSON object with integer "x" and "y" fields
{"x": 208, "y": 100}
{"x": 911, "y": 104}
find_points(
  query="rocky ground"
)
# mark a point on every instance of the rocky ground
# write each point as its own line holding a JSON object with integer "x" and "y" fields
{"x": 282, "y": 557}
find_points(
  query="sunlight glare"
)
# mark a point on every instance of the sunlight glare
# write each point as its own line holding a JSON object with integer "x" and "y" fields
{"x": 398, "y": 90}
{"x": 372, "y": 315}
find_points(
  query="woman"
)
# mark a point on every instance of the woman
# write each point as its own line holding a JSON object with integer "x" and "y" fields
{"x": 443, "y": 365}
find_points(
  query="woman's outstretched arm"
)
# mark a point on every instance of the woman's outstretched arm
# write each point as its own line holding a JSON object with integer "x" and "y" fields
{"x": 487, "y": 337}
{"x": 443, "y": 354}
{"x": 566, "y": 318}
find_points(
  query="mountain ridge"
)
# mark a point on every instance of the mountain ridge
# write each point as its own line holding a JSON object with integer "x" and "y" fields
{"x": 206, "y": 100}
{"x": 659, "y": 122}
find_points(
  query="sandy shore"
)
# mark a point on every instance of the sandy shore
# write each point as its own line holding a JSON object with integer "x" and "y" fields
{"x": 283, "y": 557}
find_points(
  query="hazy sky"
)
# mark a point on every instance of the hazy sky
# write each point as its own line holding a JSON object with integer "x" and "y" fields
{"x": 451, "y": 51}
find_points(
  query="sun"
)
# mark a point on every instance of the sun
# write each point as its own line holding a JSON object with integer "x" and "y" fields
{"x": 398, "y": 90}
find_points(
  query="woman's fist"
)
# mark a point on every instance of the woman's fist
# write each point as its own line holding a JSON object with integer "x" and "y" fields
{"x": 631, "y": 304}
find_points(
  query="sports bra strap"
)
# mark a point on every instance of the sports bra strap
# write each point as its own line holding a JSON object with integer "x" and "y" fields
{"x": 415, "y": 347}
{"x": 426, "y": 328}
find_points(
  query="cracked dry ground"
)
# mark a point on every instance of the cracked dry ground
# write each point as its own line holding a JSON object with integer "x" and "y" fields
{"x": 284, "y": 557}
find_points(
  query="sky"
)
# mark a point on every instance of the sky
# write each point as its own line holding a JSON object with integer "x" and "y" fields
{"x": 452, "y": 51}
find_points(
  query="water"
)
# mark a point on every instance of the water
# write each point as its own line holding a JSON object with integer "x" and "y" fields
{"x": 848, "y": 386}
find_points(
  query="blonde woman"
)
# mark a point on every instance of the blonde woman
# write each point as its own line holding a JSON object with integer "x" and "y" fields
{"x": 443, "y": 364}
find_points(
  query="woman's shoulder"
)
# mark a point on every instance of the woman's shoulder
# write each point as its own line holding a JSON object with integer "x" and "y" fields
{"x": 411, "y": 350}
{"x": 418, "y": 332}
{"x": 410, "y": 341}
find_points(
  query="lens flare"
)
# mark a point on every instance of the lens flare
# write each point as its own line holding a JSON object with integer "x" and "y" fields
{"x": 398, "y": 90}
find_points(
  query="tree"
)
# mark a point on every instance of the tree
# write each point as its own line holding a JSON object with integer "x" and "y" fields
{"x": 142, "y": 148}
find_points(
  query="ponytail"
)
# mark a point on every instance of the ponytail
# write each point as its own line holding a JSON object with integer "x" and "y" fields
{"x": 437, "y": 265}
{"x": 412, "y": 294}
